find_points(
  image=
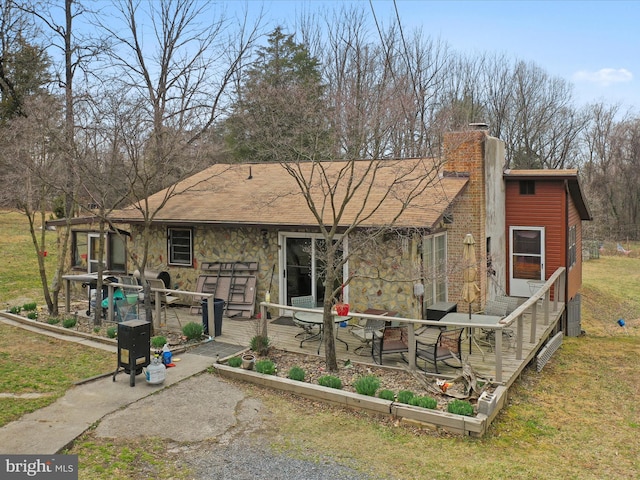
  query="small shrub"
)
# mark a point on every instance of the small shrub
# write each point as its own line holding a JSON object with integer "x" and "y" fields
{"x": 367, "y": 385}
{"x": 259, "y": 344}
{"x": 29, "y": 307}
{"x": 158, "y": 341}
{"x": 15, "y": 310}
{"x": 32, "y": 315}
{"x": 387, "y": 395}
{"x": 460, "y": 407}
{"x": 111, "y": 332}
{"x": 424, "y": 402}
{"x": 192, "y": 330}
{"x": 234, "y": 362}
{"x": 53, "y": 320}
{"x": 265, "y": 366}
{"x": 69, "y": 322}
{"x": 296, "y": 373}
{"x": 330, "y": 381}
{"x": 404, "y": 396}
{"x": 96, "y": 329}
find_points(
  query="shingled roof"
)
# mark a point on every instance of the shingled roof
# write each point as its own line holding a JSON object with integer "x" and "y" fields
{"x": 266, "y": 194}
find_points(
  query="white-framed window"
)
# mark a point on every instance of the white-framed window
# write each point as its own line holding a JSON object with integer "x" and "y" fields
{"x": 180, "y": 246}
{"x": 84, "y": 251}
{"x": 434, "y": 258}
{"x": 572, "y": 246}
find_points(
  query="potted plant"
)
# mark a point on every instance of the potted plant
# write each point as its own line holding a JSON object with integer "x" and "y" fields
{"x": 248, "y": 360}
{"x": 342, "y": 309}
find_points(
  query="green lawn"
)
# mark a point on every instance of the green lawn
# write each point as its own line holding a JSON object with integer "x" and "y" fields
{"x": 19, "y": 278}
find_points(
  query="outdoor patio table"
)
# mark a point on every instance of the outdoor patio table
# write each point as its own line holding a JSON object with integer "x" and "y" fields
{"x": 317, "y": 319}
{"x": 475, "y": 320}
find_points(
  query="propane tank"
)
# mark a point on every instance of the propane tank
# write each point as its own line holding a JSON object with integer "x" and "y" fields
{"x": 155, "y": 372}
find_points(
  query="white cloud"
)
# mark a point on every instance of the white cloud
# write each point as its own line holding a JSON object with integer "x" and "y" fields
{"x": 604, "y": 76}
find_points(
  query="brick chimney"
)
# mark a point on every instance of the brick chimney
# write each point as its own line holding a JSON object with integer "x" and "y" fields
{"x": 481, "y": 209}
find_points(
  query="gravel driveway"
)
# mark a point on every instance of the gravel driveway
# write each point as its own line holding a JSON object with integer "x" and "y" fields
{"x": 218, "y": 433}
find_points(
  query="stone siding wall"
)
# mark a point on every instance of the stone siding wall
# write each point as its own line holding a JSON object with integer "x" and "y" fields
{"x": 384, "y": 276}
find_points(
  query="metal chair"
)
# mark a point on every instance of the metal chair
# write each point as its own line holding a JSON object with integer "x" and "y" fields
{"x": 165, "y": 299}
{"x": 447, "y": 346}
{"x": 500, "y": 307}
{"x": 390, "y": 340}
{"x": 365, "y": 333}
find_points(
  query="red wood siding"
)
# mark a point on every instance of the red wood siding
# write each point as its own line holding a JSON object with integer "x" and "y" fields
{"x": 546, "y": 208}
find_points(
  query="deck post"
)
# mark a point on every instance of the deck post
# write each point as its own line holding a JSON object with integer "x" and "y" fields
{"x": 110, "y": 309}
{"x": 499, "y": 355}
{"x": 547, "y": 301}
{"x": 519, "y": 337}
{"x": 263, "y": 317}
{"x": 67, "y": 295}
{"x": 412, "y": 345}
{"x": 534, "y": 320}
{"x": 157, "y": 321}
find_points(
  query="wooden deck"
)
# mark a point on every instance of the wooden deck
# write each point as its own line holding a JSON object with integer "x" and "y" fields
{"x": 530, "y": 325}
{"x": 482, "y": 358}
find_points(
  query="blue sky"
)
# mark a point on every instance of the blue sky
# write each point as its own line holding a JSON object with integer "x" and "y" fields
{"x": 593, "y": 44}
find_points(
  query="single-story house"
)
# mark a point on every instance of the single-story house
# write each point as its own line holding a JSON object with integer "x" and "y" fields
{"x": 525, "y": 224}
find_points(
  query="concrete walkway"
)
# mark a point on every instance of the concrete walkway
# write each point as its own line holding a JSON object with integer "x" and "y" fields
{"x": 50, "y": 429}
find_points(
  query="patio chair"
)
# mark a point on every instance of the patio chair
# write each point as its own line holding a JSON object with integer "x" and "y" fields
{"x": 512, "y": 303}
{"x": 165, "y": 299}
{"x": 365, "y": 333}
{"x": 133, "y": 294}
{"x": 306, "y": 301}
{"x": 447, "y": 346}
{"x": 390, "y": 340}
{"x": 500, "y": 307}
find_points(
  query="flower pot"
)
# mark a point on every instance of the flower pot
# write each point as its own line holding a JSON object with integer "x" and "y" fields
{"x": 248, "y": 360}
{"x": 342, "y": 309}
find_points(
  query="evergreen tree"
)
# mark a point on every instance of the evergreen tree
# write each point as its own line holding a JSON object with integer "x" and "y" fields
{"x": 279, "y": 113}
{"x": 24, "y": 72}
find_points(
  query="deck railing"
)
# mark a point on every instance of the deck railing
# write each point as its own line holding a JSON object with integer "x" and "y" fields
{"x": 541, "y": 299}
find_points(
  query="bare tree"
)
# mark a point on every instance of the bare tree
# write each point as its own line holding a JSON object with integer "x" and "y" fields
{"x": 175, "y": 60}
{"x": 611, "y": 154}
{"x": 532, "y": 112}
{"x": 74, "y": 51}
{"x": 382, "y": 93}
{"x": 376, "y": 104}
{"x": 30, "y": 141}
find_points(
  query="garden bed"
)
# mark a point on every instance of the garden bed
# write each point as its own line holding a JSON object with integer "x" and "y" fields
{"x": 395, "y": 380}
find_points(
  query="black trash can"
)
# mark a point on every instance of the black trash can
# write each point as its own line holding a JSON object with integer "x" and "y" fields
{"x": 218, "y": 310}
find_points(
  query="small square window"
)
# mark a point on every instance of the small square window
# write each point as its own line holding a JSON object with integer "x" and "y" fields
{"x": 527, "y": 187}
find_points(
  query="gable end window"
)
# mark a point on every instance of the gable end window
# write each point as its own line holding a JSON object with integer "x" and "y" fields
{"x": 180, "y": 246}
{"x": 527, "y": 187}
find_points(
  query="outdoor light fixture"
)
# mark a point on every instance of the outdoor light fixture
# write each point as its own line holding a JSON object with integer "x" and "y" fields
{"x": 265, "y": 238}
